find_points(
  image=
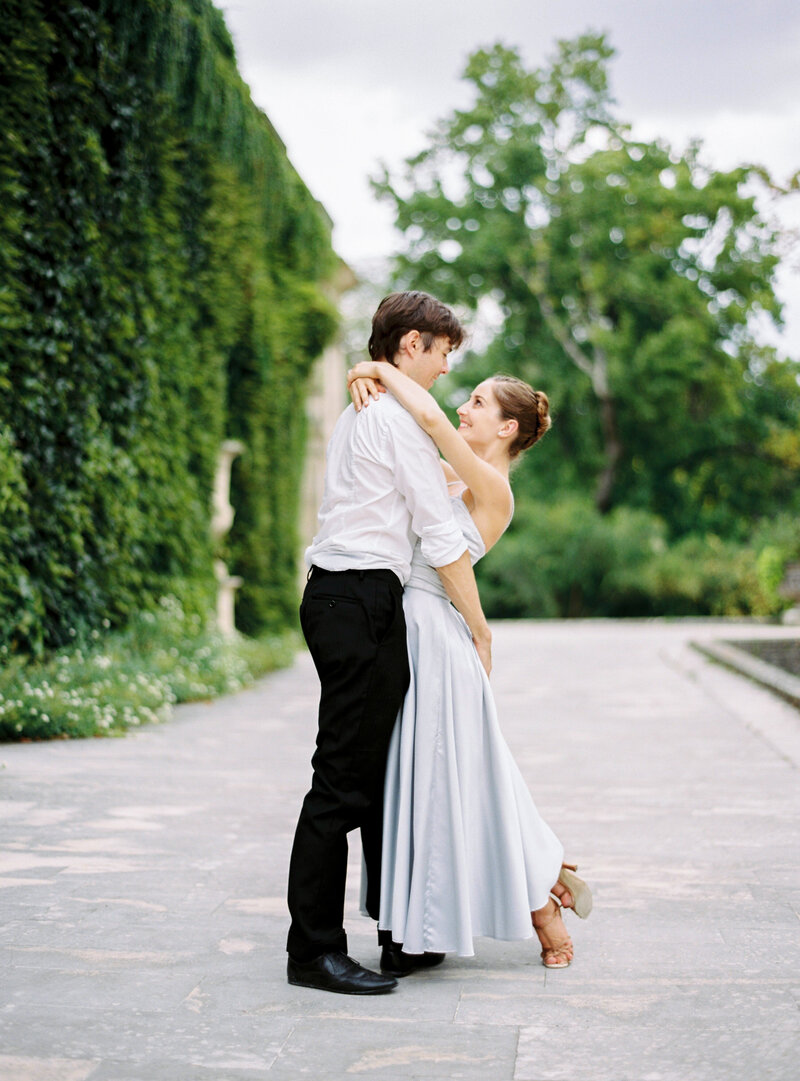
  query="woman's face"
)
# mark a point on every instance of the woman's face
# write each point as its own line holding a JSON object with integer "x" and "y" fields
{"x": 480, "y": 416}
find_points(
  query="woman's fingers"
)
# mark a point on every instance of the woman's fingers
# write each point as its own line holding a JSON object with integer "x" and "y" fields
{"x": 361, "y": 390}
{"x": 355, "y": 394}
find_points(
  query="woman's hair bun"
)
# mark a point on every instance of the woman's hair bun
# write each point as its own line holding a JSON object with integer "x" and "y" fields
{"x": 528, "y": 407}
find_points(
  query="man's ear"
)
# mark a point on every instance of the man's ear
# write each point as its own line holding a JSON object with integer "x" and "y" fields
{"x": 409, "y": 343}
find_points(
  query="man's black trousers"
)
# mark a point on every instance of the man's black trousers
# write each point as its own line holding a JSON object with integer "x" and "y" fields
{"x": 356, "y": 633}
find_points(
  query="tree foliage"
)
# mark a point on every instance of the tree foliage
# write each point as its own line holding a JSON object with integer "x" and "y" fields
{"x": 160, "y": 269}
{"x": 626, "y": 276}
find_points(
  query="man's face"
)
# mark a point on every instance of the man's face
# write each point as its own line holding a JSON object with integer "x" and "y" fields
{"x": 426, "y": 367}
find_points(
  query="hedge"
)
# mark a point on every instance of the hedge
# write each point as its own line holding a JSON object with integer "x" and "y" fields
{"x": 162, "y": 272}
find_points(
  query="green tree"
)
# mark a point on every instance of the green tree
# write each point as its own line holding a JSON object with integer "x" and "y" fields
{"x": 626, "y": 276}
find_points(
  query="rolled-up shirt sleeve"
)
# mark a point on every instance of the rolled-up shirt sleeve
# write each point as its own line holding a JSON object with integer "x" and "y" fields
{"x": 419, "y": 478}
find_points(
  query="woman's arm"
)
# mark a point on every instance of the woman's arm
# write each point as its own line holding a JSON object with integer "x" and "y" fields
{"x": 485, "y": 483}
{"x": 372, "y": 375}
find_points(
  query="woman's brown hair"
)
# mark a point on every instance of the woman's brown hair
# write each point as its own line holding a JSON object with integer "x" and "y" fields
{"x": 528, "y": 407}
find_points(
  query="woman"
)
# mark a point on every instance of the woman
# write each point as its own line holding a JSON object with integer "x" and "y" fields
{"x": 465, "y": 852}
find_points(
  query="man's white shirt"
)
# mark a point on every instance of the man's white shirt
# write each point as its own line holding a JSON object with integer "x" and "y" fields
{"x": 384, "y": 487}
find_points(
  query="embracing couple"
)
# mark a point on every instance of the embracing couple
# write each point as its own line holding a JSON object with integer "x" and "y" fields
{"x": 409, "y": 750}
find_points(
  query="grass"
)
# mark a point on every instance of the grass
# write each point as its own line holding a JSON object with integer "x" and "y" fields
{"x": 113, "y": 682}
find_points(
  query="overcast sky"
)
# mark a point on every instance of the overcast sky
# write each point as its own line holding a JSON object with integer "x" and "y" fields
{"x": 348, "y": 83}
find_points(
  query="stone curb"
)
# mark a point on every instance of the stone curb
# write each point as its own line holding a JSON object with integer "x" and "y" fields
{"x": 768, "y": 675}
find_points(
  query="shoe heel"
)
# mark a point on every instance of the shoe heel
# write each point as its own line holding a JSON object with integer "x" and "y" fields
{"x": 581, "y": 894}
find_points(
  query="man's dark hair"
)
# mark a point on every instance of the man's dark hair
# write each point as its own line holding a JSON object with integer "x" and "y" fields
{"x": 400, "y": 312}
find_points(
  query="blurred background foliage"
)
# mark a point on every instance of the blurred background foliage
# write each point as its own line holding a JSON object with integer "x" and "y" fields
{"x": 161, "y": 272}
{"x": 624, "y": 278}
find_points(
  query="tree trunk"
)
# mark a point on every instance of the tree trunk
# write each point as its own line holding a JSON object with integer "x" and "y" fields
{"x": 597, "y": 370}
{"x": 612, "y": 449}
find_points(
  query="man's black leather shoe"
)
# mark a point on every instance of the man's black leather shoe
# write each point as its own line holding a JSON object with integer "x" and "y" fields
{"x": 397, "y": 963}
{"x": 340, "y": 973}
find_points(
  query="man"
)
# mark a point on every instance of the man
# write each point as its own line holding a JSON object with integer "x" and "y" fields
{"x": 384, "y": 487}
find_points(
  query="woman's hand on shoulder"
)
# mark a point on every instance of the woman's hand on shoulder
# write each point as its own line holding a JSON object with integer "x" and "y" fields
{"x": 361, "y": 390}
{"x": 363, "y": 383}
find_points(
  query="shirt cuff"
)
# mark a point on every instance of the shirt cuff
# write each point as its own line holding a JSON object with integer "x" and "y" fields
{"x": 442, "y": 544}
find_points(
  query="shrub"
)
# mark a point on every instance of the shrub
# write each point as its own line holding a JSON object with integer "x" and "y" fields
{"x": 556, "y": 559}
{"x": 111, "y": 682}
{"x": 567, "y": 560}
{"x": 696, "y": 576}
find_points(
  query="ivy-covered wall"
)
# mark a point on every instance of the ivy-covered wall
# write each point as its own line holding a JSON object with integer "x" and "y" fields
{"x": 160, "y": 290}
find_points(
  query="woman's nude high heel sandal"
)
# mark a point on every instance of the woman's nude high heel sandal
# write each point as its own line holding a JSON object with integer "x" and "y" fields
{"x": 557, "y": 949}
{"x": 579, "y": 890}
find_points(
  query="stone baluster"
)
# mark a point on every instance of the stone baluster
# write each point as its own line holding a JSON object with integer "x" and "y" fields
{"x": 221, "y": 522}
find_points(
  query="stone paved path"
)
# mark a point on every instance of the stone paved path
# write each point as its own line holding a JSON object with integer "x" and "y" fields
{"x": 142, "y": 900}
